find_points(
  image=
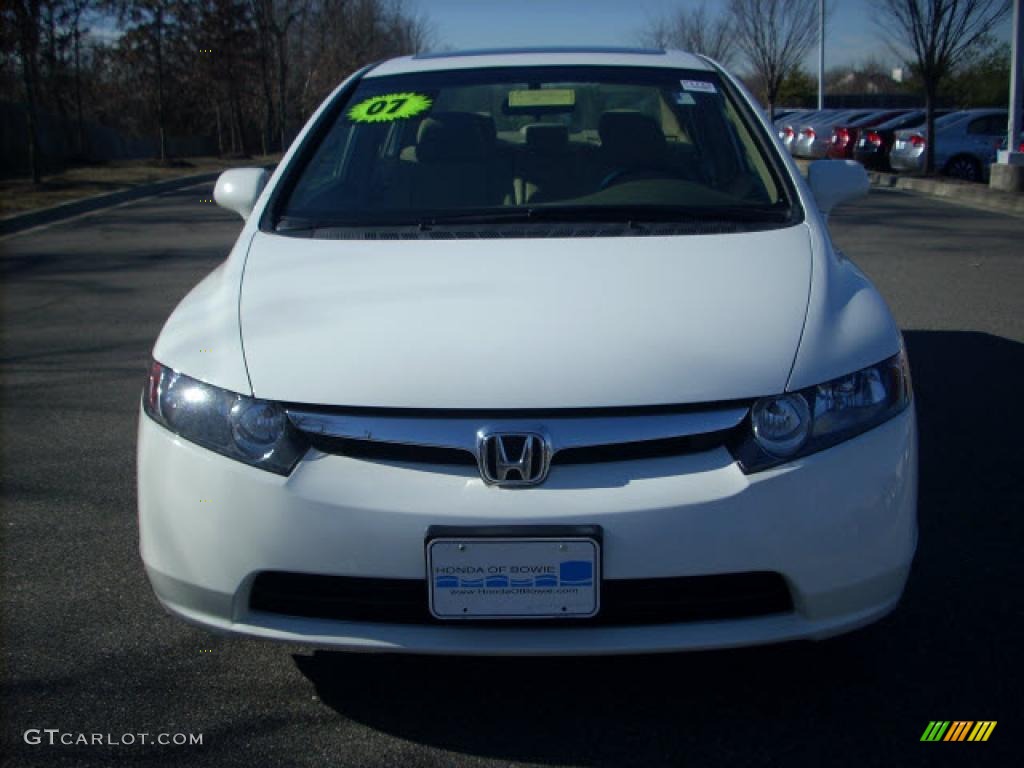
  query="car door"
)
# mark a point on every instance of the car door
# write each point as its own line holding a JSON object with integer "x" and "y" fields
{"x": 984, "y": 134}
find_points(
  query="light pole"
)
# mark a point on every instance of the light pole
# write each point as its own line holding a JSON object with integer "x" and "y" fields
{"x": 821, "y": 53}
{"x": 1008, "y": 173}
{"x": 1016, "y": 78}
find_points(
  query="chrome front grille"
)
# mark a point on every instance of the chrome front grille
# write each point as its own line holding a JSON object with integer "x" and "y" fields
{"x": 453, "y": 438}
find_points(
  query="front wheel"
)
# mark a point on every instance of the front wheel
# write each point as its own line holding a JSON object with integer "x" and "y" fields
{"x": 964, "y": 167}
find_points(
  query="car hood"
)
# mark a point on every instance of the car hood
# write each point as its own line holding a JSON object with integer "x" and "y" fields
{"x": 524, "y": 323}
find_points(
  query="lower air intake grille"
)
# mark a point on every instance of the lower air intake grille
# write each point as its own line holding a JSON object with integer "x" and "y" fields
{"x": 623, "y": 602}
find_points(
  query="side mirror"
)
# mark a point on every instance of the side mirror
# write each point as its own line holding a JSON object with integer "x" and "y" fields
{"x": 238, "y": 189}
{"x": 836, "y": 181}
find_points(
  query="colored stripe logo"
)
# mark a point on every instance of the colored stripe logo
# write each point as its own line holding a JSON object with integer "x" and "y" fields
{"x": 958, "y": 730}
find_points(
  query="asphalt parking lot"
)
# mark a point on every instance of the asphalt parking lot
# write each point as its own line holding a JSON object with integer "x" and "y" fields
{"x": 87, "y": 649}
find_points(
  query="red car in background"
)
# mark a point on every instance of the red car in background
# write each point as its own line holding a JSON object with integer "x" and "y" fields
{"x": 844, "y": 137}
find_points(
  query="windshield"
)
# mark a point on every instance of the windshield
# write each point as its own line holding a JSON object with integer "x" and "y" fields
{"x": 570, "y": 143}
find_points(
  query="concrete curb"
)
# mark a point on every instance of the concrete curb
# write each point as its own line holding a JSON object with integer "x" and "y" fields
{"x": 21, "y": 221}
{"x": 973, "y": 195}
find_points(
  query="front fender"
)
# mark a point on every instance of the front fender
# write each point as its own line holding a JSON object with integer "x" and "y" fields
{"x": 848, "y": 325}
{"x": 202, "y": 336}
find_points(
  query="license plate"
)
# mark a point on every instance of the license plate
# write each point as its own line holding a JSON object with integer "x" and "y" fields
{"x": 900, "y": 143}
{"x": 513, "y": 578}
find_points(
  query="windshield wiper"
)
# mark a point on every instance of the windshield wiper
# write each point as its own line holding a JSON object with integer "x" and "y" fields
{"x": 625, "y": 215}
{"x": 293, "y": 225}
{"x": 662, "y": 213}
{"x": 613, "y": 214}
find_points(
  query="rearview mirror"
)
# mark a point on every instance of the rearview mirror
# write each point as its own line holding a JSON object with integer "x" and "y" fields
{"x": 239, "y": 189}
{"x": 837, "y": 181}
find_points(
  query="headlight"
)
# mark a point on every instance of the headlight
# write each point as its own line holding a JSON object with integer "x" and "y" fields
{"x": 781, "y": 424}
{"x": 795, "y": 424}
{"x": 252, "y": 431}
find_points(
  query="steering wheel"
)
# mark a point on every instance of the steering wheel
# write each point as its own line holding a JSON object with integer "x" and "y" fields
{"x": 622, "y": 175}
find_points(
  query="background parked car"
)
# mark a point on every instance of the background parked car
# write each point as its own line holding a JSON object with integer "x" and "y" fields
{"x": 813, "y": 138}
{"x": 965, "y": 144}
{"x": 844, "y": 137}
{"x": 787, "y": 125}
{"x": 873, "y": 144}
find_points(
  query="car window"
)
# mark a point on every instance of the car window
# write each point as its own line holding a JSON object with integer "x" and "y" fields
{"x": 409, "y": 147}
{"x": 978, "y": 125}
{"x": 987, "y": 125}
{"x": 998, "y": 124}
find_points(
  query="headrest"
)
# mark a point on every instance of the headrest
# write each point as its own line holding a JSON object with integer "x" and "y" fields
{"x": 454, "y": 137}
{"x": 631, "y": 138}
{"x": 547, "y": 138}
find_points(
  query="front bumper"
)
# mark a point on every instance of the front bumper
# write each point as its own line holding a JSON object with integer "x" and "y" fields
{"x": 840, "y": 526}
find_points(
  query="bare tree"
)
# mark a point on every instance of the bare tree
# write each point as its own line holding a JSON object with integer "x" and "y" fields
{"x": 261, "y": 16}
{"x": 152, "y": 21}
{"x": 75, "y": 12}
{"x": 696, "y": 30}
{"x": 275, "y": 19}
{"x": 23, "y": 17}
{"x": 774, "y": 36}
{"x": 237, "y": 73}
{"x": 335, "y": 37}
{"x": 938, "y": 33}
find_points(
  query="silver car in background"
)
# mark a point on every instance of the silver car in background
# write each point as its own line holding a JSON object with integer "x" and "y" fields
{"x": 788, "y": 125}
{"x": 815, "y": 135}
{"x": 965, "y": 144}
{"x": 783, "y": 122}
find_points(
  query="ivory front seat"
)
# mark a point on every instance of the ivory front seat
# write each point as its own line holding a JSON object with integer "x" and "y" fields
{"x": 453, "y": 164}
{"x": 547, "y": 168}
{"x": 630, "y": 141}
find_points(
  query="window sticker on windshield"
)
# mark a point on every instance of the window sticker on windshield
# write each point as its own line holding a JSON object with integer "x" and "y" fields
{"x": 698, "y": 85}
{"x": 685, "y": 99}
{"x": 389, "y": 106}
{"x": 544, "y": 97}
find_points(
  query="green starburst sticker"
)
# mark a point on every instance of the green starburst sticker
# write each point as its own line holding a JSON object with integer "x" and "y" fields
{"x": 389, "y": 106}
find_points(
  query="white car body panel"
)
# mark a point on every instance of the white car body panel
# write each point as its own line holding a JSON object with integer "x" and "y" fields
{"x": 839, "y": 525}
{"x": 849, "y": 326}
{"x": 607, "y": 322}
{"x": 201, "y": 335}
{"x": 565, "y": 323}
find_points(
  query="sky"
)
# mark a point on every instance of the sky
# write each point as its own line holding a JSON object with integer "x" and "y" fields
{"x": 850, "y": 37}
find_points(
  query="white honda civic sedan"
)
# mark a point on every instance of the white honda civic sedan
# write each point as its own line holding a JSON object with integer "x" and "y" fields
{"x": 532, "y": 352}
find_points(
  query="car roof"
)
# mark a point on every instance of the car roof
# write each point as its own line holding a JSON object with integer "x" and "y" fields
{"x": 916, "y": 115}
{"x": 829, "y": 116}
{"x": 540, "y": 57}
